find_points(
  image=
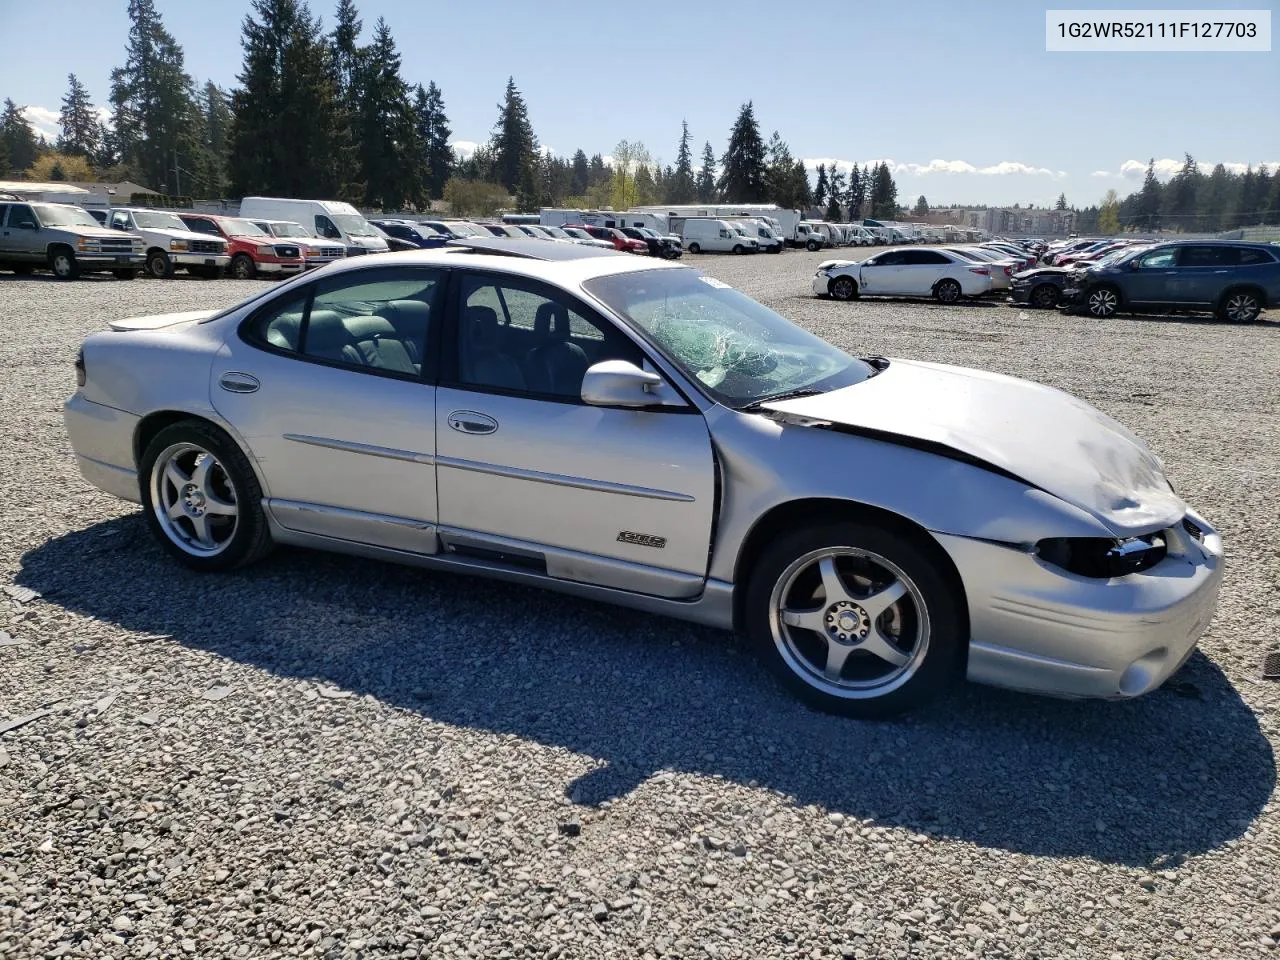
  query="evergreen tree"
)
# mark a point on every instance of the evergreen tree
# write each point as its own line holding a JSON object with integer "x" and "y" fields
{"x": 743, "y": 177}
{"x": 646, "y": 186}
{"x": 19, "y": 147}
{"x": 597, "y": 171}
{"x": 1149, "y": 200}
{"x": 513, "y": 143}
{"x": 527, "y": 192}
{"x": 683, "y": 188}
{"x": 390, "y": 158}
{"x": 884, "y": 193}
{"x": 1272, "y": 214}
{"x": 706, "y": 183}
{"x": 835, "y": 193}
{"x": 581, "y": 177}
{"x": 153, "y": 102}
{"x": 802, "y": 195}
{"x": 853, "y": 197}
{"x": 216, "y": 122}
{"x": 822, "y": 188}
{"x": 81, "y": 128}
{"x": 347, "y": 59}
{"x": 286, "y": 139}
{"x": 921, "y": 209}
{"x": 780, "y": 173}
{"x": 1179, "y": 197}
{"x": 347, "y": 52}
{"x": 432, "y": 130}
{"x": 1061, "y": 203}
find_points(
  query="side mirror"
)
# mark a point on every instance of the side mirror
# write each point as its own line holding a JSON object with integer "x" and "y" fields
{"x": 620, "y": 383}
{"x": 26, "y": 225}
{"x": 1135, "y": 264}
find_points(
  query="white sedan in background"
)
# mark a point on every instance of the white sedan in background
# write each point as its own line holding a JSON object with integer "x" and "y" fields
{"x": 1003, "y": 267}
{"x": 941, "y": 274}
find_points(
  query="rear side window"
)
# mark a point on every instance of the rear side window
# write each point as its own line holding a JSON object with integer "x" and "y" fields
{"x": 1208, "y": 256}
{"x": 1250, "y": 256}
{"x": 925, "y": 257}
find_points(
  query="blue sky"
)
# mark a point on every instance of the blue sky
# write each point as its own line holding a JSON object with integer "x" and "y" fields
{"x": 962, "y": 98}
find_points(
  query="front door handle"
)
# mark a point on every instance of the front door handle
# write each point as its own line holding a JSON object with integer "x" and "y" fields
{"x": 469, "y": 421}
{"x": 234, "y": 382}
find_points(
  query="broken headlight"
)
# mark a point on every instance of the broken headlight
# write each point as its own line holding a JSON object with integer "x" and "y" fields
{"x": 1103, "y": 558}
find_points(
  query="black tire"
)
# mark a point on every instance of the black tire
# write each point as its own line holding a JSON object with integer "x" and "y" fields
{"x": 694, "y": 248}
{"x": 1044, "y": 296}
{"x": 130, "y": 274}
{"x": 1239, "y": 306}
{"x": 947, "y": 291}
{"x": 738, "y": 249}
{"x": 242, "y": 267}
{"x": 1102, "y": 302}
{"x": 62, "y": 261}
{"x": 251, "y": 538}
{"x": 934, "y": 664}
{"x": 811, "y": 246}
{"x": 843, "y": 288}
{"x": 159, "y": 265}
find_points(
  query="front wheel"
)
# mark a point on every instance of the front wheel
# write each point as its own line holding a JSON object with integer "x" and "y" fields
{"x": 694, "y": 248}
{"x": 63, "y": 264}
{"x": 855, "y": 619}
{"x": 811, "y": 246}
{"x": 242, "y": 267}
{"x": 947, "y": 291}
{"x": 1240, "y": 306}
{"x": 159, "y": 265}
{"x": 201, "y": 497}
{"x": 843, "y": 288}
{"x": 1103, "y": 302}
{"x": 737, "y": 248}
{"x": 1045, "y": 296}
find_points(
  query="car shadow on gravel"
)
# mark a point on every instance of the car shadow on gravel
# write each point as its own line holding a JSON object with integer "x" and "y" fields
{"x": 1147, "y": 782}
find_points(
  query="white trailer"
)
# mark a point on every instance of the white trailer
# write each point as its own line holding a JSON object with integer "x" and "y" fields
{"x": 783, "y": 222}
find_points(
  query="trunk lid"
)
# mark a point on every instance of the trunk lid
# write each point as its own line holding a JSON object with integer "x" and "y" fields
{"x": 159, "y": 320}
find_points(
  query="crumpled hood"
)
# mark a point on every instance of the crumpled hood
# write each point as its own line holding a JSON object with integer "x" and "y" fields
{"x": 1048, "y": 438}
{"x": 158, "y": 320}
{"x": 1043, "y": 272}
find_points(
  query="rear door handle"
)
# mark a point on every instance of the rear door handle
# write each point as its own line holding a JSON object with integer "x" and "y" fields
{"x": 235, "y": 382}
{"x": 469, "y": 421}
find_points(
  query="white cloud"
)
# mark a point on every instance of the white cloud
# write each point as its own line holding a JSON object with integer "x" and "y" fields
{"x": 1166, "y": 168}
{"x": 1103, "y": 173}
{"x": 43, "y": 120}
{"x": 1003, "y": 168}
{"x": 464, "y": 148}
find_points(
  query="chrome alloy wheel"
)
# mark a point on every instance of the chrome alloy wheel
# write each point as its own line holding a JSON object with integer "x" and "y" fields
{"x": 1103, "y": 302}
{"x": 849, "y": 622}
{"x": 194, "y": 500}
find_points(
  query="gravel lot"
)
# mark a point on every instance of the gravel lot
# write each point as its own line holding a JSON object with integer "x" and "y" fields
{"x": 329, "y": 757}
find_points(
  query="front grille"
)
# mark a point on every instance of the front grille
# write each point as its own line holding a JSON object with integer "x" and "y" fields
{"x": 207, "y": 246}
{"x": 331, "y": 251}
{"x": 285, "y": 250}
{"x": 116, "y": 246}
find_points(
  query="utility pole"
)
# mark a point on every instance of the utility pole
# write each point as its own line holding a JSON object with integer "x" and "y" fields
{"x": 177, "y": 174}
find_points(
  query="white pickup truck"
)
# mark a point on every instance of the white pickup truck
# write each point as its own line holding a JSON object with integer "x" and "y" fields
{"x": 169, "y": 243}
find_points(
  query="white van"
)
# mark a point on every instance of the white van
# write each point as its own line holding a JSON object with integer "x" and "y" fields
{"x": 762, "y": 232}
{"x": 700, "y": 235}
{"x": 331, "y": 219}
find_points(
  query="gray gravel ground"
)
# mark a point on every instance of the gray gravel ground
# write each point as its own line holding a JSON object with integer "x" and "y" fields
{"x": 328, "y": 757}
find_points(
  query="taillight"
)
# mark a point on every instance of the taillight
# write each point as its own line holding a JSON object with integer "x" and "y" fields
{"x": 981, "y": 271}
{"x": 80, "y": 374}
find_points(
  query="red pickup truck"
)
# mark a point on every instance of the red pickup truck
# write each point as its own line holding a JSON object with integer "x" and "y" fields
{"x": 254, "y": 252}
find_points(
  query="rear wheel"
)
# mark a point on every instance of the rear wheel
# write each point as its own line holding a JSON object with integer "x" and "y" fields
{"x": 1103, "y": 302}
{"x": 62, "y": 261}
{"x": 855, "y": 619}
{"x": 843, "y": 288}
{"x": 159, "y": 265}
{"x": 201, "y": 498}
{"x": 1044, "y": 296}
{"x": 1240, "y": 306}
{"x": 947, "y": 291}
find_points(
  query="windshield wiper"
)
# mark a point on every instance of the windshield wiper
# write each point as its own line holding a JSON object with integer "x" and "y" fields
{"x": 784, "y": 395}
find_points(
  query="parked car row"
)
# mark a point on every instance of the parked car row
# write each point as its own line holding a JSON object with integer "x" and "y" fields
{"x": 1234, "y": 280}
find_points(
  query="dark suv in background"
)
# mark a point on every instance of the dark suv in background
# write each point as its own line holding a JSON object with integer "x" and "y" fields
{"x": 1233, "y": 279}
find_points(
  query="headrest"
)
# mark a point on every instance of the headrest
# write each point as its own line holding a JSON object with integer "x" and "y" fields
{"x": 551, "y": 319}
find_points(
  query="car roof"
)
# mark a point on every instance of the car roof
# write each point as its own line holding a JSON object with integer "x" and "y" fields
{"x": 531, "y": 248}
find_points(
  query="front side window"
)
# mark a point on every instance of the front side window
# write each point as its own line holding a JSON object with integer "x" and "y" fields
{"x": 1158, "y": 259}
{"x": 519, "y": 336}
{"x": 374, "y": 321}
{"x": 325, "y": 227}
{"x": 200, "y": 225}
{"x": 738, "y": 349}
{"x": 20, "y": 215}
{"x": 120, "y": 221}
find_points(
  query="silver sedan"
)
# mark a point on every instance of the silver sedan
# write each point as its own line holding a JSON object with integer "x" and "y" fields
{"x": 643, "y": 434}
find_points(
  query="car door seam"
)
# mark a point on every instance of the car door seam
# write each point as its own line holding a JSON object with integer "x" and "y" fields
{"x": 368, "y": 449}
{"x": 562, "y": 480}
